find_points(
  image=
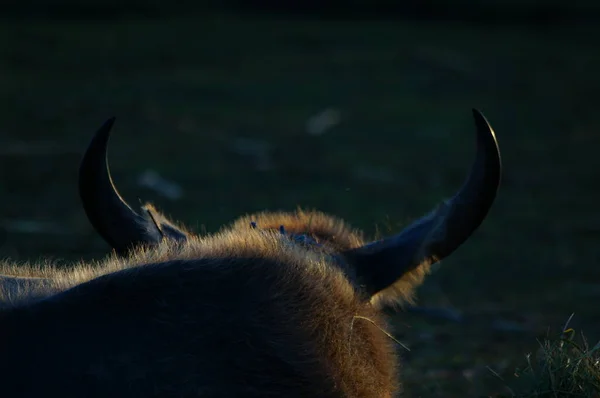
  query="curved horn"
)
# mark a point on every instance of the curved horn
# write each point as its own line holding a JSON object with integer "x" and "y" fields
{"x": 435, "y": 236}
{"x": 109, "y": 214}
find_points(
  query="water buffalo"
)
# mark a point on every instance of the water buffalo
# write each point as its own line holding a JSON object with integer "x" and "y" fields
{"x": 274, "y": 305}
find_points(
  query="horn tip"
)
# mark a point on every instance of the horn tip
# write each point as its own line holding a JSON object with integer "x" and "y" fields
{"x": 109, "y": 122}
{"x": 481, "y": 120}
{"x": 486, "y": 137}
{"x": 484, "y": 128}
{"x": 95, "y": 153}
{"x": 103, "y": 132}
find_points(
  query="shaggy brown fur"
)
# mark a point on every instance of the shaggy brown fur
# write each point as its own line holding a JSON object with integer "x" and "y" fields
{"x": 241, "y": 313}
{"x": 275, "y": 305}
{"x": 338, "y": 236}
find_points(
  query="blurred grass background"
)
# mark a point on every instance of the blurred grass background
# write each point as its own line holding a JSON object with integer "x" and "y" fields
{"x": 365, "y": 118}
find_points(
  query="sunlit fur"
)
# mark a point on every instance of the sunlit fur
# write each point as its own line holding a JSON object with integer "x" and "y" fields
{"x": 242, "y": 312}
{"x": 338, "y": 236}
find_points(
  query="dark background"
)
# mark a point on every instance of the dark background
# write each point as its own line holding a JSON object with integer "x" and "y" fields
{"x": 218, "y": 109}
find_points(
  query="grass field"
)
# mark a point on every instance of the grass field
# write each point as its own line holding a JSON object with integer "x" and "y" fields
{"x": 219, "y": 105}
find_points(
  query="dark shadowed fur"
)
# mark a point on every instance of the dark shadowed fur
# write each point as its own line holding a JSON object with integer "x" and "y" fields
{"x": 240, "y": 313}
{"x": 274, "y": 305}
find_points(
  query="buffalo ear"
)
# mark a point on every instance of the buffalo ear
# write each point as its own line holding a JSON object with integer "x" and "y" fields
{"x": 166, "y": 228}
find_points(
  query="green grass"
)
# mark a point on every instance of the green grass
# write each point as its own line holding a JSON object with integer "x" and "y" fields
{"x": 185, "y": 91}
{"x": 563, "y": 366}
